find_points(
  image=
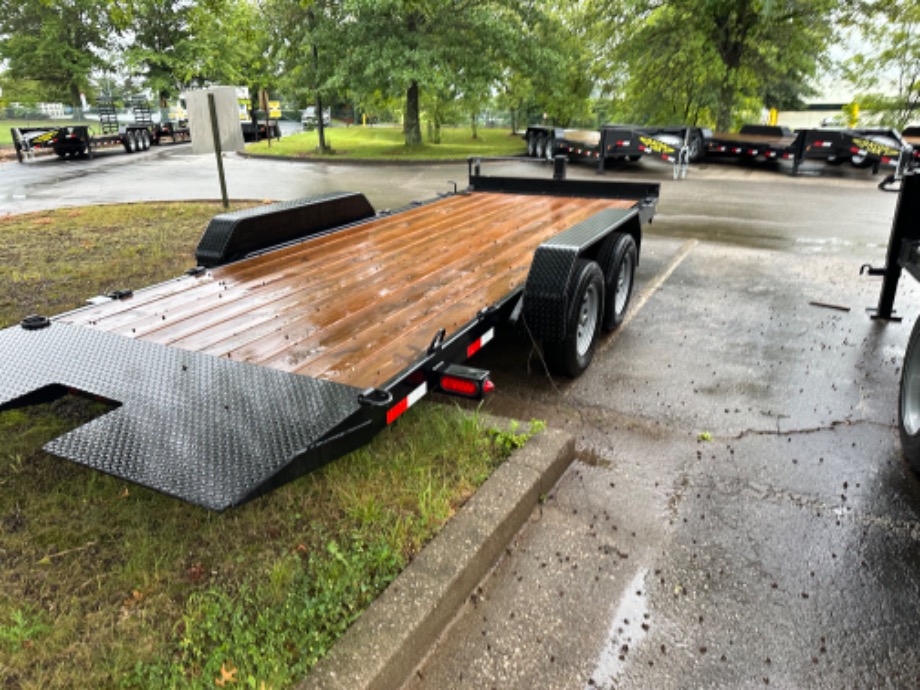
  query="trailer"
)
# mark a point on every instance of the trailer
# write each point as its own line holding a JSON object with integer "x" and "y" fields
{"x": 308, "y": 326}
{"x": 81, "y": 141}
{"x": 862, "y": 147}
{"x": 752, "y": 141}
{"x": 677, "y": 145}
{"x": 175, "y": 129}
{"x": 903, "y": 254}
{"x": 911, "y": 136}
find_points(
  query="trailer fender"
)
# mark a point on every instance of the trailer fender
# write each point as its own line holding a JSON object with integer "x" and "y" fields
{"x": 231, "y": 236}
{"x": 551, "y": 280}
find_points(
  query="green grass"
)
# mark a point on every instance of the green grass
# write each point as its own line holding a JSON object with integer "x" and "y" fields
{"x": 104, "y": 584}
{"x": 6, "y": 136}
{"x": 369, "y": 143}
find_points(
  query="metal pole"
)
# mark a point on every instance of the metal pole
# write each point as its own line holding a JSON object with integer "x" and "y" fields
{"x": 217, "y": 151}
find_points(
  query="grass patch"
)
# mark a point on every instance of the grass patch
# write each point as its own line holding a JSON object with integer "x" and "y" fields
{"x": 369, "y": 143}
{"x": 104, "y": 584}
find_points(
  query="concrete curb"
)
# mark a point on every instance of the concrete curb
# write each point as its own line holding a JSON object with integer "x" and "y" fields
{"x": 356, "y": 161}
{"x": 385, "y": 645}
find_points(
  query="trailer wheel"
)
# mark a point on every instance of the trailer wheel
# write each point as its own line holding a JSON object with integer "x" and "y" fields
{"x": 128, "y": 142}
{"x": 571, "y": 356}
{"x": 860, "y": 161}
{"x": 549, "y": 148}
{"x": 695, "y": 148}
{"x": 531, "y": 144}
{"x": 540, "y": 150}
{"x": 909, "y": 400}
{"x": 145, "y": 140}
{"x": 618, "y": 258}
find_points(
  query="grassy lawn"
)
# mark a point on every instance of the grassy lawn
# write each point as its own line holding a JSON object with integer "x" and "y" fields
{"x": 104, "y": 584}
{"x": 381, "y": 142}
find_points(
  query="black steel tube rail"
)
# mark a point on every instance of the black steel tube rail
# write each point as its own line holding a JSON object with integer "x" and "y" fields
{"x": 905, "y": 230}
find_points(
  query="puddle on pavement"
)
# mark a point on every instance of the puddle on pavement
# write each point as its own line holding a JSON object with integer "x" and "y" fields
{"x": 589, "y": 456}
{"x": 627, "y": 631}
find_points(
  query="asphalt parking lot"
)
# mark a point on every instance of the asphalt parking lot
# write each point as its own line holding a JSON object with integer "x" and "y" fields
{"x": 739, "y": 514}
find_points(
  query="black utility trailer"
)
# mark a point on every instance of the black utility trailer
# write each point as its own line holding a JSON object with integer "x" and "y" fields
{"x": 309, "y": 326}
{"x": 862, "y": 147}
{"x": 81, "y": 141}
{"x": 904, "y": 254}
{"x": 677, "y": 145}
{"x": 177, "y": 131}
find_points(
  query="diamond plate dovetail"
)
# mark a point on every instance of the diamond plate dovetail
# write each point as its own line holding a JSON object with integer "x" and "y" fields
{"x": 206, "y": 430}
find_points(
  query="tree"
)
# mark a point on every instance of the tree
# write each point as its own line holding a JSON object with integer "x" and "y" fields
{"x": 57, "y": 43}
{"x": 889, "y": 75}
{"x": 701, "y": 60}
{"x": 305, "y": 41}
{"x": 445, "y": 48}
{"x": 163, "y": 44}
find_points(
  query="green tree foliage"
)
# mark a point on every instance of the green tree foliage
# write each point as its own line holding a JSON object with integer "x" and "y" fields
{"x": 700, "y": 61}
{"x": 887, "y": 72}
{"x": 163, "y": 43}
{"x": 441, "y": 50}
{"x": 57, "y": 43}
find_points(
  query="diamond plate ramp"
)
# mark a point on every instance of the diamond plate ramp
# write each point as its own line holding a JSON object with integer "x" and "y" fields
{"x": 209, "y": 431}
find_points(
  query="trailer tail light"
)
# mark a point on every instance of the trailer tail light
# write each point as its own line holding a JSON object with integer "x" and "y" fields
{"x": 407, "y": 402}
{"x": 465, "y": 382}
{"x": 477, "y": 344}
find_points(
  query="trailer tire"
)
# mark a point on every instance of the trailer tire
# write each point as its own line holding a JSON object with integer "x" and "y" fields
{"x": 540, "y": 150}
{"x": 696, "y": 150}
{"x": 572, "y": 355}
{"x": 129, "y": 143}
{"x": 549, "y": 150}
{"x": 861, "y": 161}
{"x": 618, "y": 258}
{"x": 909, "y": 400}
{"x": 144, "y": 140}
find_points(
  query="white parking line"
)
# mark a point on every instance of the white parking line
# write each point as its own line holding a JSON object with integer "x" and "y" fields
{"x": 650, "y": 290}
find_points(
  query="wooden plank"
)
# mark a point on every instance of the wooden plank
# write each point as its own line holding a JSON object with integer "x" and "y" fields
{"x": 359, "y": 305}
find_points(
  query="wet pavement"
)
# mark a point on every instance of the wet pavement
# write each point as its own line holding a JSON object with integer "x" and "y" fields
{"x": 739, "y": 515}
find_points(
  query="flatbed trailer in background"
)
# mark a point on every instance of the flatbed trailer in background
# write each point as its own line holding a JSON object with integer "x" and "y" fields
{"x": 862, "y": 147}
{"x": 309, "y": 326}
{"x": 677, "y": 145}
{"x": 177, "y": 130}
{"x": 911, "y": 136}
{"x": 82, "y": 141}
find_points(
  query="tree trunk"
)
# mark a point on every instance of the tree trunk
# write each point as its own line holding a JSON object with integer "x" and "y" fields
{"x": 319, "y": 108}
{"x": 726, "y": 104}
{"x": 412, "y": 128}
{"x": 474, "y": 125}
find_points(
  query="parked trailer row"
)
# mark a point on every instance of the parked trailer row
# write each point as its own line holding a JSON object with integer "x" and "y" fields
{"x": 863, "y": 147}
{"x": 680, "y": 145}
{"x": 309, "y": 326}
{"x": 617, "y": 143}
{"x": 82, "y": 141}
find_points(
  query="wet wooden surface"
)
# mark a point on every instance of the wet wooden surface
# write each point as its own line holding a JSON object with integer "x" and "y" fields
{"x": 360, "y": 305}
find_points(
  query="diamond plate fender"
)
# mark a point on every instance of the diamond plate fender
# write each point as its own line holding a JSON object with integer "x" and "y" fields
{"x": 230, "y": 236}
{"x": 209, "y": 431}
{"x": 546, "y": 292}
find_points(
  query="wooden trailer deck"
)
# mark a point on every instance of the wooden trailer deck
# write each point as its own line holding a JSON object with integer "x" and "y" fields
{"x": 359, "y": 305}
